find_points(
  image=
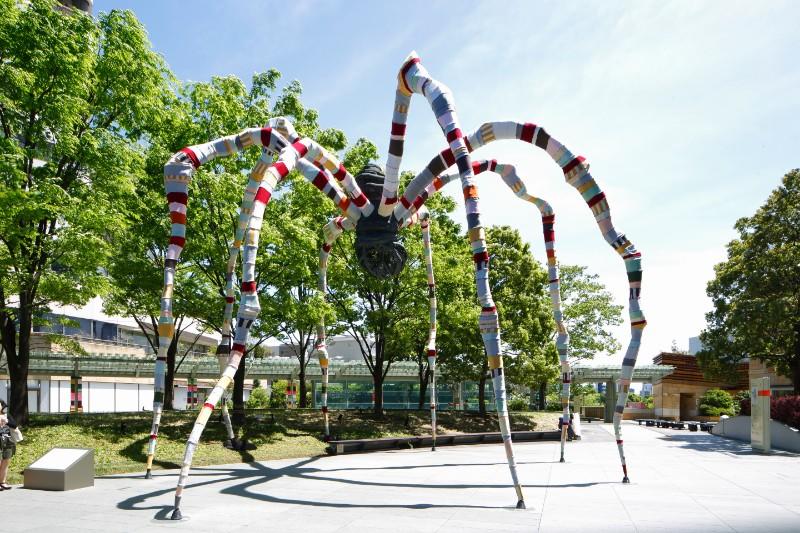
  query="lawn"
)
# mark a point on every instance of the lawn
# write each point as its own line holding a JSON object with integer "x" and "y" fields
{"x": 120, "y": 440}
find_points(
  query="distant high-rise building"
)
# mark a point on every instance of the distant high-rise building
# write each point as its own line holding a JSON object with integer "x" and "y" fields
{"x": 695, "y": 345}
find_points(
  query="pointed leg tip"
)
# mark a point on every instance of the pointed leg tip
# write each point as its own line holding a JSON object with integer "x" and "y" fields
{"x": 562, "y": 460}
{"x": 626, "y": 480}
{"x": 521, "y": 504}
{"x": 433, "y": 449}
{"x": 176, "y": 515}
{"x": 148, "y": 475}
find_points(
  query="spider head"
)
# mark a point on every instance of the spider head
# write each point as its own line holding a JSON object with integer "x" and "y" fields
{"x": 378, "y": 246}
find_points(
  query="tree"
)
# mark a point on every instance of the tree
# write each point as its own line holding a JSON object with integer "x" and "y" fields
{"x": 77, "y": 97}
{"x": 517, "y": 283}
{"x": 756, "y": 292}
{"x": 388, "y": 318}
{"x": 589, "y": 312}
{"x": 409, "y": 339}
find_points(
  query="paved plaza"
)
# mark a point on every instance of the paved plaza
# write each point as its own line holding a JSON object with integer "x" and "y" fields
{"x": 681, "y": 481}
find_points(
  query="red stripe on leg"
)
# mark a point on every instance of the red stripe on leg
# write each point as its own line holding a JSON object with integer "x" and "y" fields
{"x": 266, "y": 136}
{"x": 280, "y": 166}
{"x": 177, "y": 197}
{"x": 301, "y": 148}
{"x": 527, "y": 132}
{"x": 263, "y": 195}
{"x": 454, "y": 134}
{"x": 340, "y": 173}
{"x": 320, "y": 180}
{"x": 192, "y": 157}
{"x": 574, "y": 163}
{"x": 448, "y": 157}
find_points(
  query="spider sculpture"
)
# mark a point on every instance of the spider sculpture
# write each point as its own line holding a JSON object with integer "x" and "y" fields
{"x": 376, "y": 222}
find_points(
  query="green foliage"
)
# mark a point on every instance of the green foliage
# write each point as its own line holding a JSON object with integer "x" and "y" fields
{"x": 259, "y": 399}
{"x": 649, "y": 402}
{"x": 517, "y": 284}
{"x": 635, "y": 398}
{"x": 584, "y": 394}
{"x": 79, "y": 99}
{"x": 277, "y": 397}
{"x": 389, "y": 317}
{"x": 755, "y": 291}
{"x": 716, "y": 402}
{"x": 518, "y": 403}
{"x": 589, "y": 312}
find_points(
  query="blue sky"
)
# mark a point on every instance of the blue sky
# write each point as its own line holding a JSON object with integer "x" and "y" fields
{"x": 687, "y": 111}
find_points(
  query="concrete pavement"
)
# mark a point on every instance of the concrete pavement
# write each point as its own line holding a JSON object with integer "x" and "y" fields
{"x": 680, "y": 481}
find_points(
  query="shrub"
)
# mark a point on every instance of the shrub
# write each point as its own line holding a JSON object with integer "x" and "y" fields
{"x": 259, "y": 399}
{"x": 786, "y": 409}
{"x": 277, "y": 400}
{"x": 716, "y": 402}
{"x": 518, "y": 403}
{"x": 742, "y": 403}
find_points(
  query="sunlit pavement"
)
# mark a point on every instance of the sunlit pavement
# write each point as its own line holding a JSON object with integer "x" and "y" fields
{"x": 681, "y": 481}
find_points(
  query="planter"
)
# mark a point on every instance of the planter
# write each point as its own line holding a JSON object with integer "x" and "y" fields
{"x": 782, "y": 436}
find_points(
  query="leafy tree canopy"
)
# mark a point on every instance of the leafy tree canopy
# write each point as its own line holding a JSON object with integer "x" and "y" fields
{"x": 756, "y": 292}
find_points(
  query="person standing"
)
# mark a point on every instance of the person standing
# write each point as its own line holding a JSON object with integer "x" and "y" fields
{"x": 8, "y": 446}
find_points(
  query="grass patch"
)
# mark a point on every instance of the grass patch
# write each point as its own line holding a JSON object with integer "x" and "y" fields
{"x": 120, "y": 440}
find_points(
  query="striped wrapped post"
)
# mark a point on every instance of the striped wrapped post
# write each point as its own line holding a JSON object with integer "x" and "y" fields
{"x": 413, "y": 78}
{"x": 576, "y": 173}
{"x": 509, "y": 175}
{"x": 430, "y": 345}
{"x": 249, "y": 307}
{"x": 331, "y": 231}
{"x": 178, "y": 174}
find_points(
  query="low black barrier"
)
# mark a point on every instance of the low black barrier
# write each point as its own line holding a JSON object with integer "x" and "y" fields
{"x": 337, "y": 447}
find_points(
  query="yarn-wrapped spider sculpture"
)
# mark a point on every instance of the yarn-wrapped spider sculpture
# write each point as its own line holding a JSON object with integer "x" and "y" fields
{"x": 370, "y": 206}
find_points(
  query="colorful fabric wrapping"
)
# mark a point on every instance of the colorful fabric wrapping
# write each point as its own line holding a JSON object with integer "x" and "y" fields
{"x": 510, "y": 177}
{"x": 265, "y": 175}
{"x": 330, "y": 232}
{"x": 576, "y": 173}
{"x": 414, "y": 78}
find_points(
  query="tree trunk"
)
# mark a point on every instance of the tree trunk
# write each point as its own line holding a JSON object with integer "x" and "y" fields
{"x": 169, "y": 378}
{"x": 18, "y": 361}
{"x": 424, "y": 378}
{"x": 542, "y": 395}
{"x": 302, "y": 375}
{"x": 377, "y": 377}
{"x": 238, "y": 394}
{"x": 377, "y": 382}
{"x": 795, "y": 362}
{"x": 482, "y": 387}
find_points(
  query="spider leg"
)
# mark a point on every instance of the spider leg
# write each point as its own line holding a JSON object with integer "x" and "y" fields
{"x": 424, "y": 218}
{"x": 249, "y": 307}
{"x": 414, "y": 78}
{"x": 509, "y": 175}
{"x": 576, "y": 172}
{"x": 331, "y": 232}
{"x": 178, "y": 174}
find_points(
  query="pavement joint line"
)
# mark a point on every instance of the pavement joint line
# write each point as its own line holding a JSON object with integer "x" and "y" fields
{"x": 695, "y": 500}
{"x": 734, "y": 483}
